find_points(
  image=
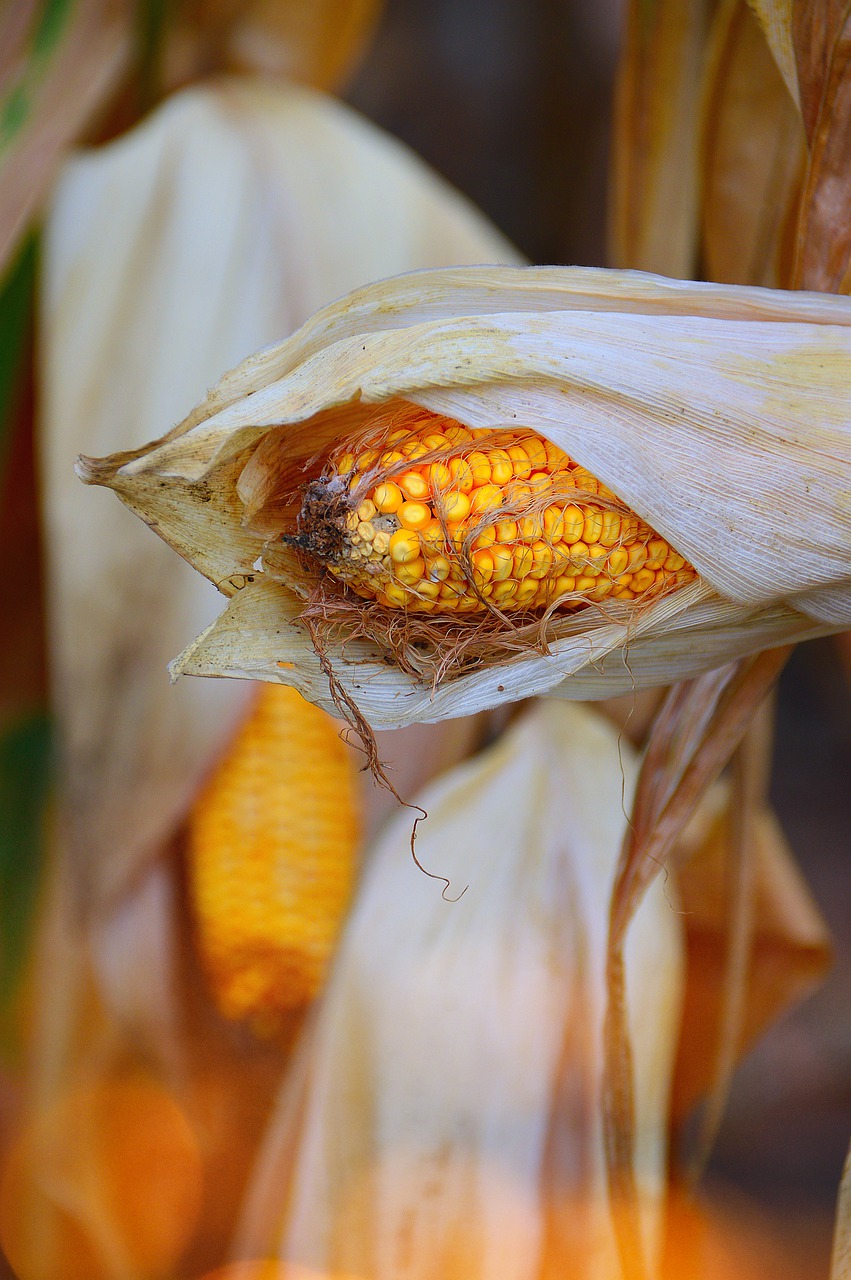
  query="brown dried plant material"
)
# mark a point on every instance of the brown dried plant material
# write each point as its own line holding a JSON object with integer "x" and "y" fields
{"x": 696, "y": 732}
{"x": 444, "y": 1117}
{"x": 653, "y": 198}
{"x": 753, "y": 154}
{"x": 314, "y": 42}
{"x": 790, "y": 948}
{"x": 718, "y": 415}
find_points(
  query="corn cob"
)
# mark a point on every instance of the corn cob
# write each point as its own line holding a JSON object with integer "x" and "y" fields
{"x": 433, "y": 517}
{"x": 271, "y": 852}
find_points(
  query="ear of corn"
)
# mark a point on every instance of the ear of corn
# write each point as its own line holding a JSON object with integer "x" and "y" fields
{"x": 271, "y": 848}
{"x": 429, "y": 516}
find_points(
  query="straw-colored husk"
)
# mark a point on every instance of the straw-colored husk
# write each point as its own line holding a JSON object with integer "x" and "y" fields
{"x": 444, "y": 1119}
{"x": 719, "y": 414}
{"x": 225, "y": 219}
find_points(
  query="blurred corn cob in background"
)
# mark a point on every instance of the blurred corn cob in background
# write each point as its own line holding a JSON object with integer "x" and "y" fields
{"x": 271, "y": 848}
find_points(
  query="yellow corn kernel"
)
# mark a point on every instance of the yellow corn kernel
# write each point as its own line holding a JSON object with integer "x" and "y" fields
{"x": 486, "y": 509}
{"x": 414, "y": 515}
{"x": 404, "y": 546}
{"x": 388, "y": 498}
{"x": 409, "y": 572}
{"x": 413, "y": 485}
{"x": 271, "y": 843}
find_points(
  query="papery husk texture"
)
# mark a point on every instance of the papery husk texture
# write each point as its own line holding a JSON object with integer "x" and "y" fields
{"x": 444, "y": 1118}
{"x": 719, "y": 414}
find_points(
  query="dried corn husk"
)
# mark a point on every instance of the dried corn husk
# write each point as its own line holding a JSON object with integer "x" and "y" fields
{"x": 719, "y": 414}
{"x": 445, "y": 1118}
{"x": 226, "y": 218}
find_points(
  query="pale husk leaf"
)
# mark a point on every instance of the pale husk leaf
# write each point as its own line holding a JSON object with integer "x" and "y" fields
{"x": 445, "y": 1116}
{"x": 225, "y": 219}
{"x": 719, "y": 414}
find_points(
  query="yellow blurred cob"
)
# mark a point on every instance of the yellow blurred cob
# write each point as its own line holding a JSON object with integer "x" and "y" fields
{"x": 272, "y": 843}
{"x": 435, "y": 518}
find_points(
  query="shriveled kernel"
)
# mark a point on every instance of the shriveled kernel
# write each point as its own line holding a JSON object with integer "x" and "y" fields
{"x": 523, "y": 561}
{"x": 657, "y": 551}
{"x": 366, "y": 530}
{"x": 414, "y": 515}
{"x": 404, "y": 546}
{"x": 381, "y": 542}
{"x": 542, "y": 559}
{"x": 366, "y": 509}
{"x": 642, "y": 580}
{"x": 388, "y": 498}
{"x": 637, "y": 557}
{"x": 617, "y": 561}
{"x": 593, "y": 526}
{"x": 611, "y": 529}
{"x": 673, "y": 562}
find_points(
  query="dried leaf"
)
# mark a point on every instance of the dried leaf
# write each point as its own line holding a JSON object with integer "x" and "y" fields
{"x": 791, "y": 948}
{"x": 653, "y": 217}
{"x": 444, "y": 1118}
{"x": 754, "y": 153}
{"x": 840, "y": 1266}
{"x": 694, "y": 736}
{"x": 823, "y": 242}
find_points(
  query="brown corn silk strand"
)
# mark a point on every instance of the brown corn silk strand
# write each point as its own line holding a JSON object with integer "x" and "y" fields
{"x": 699, "y": 727}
